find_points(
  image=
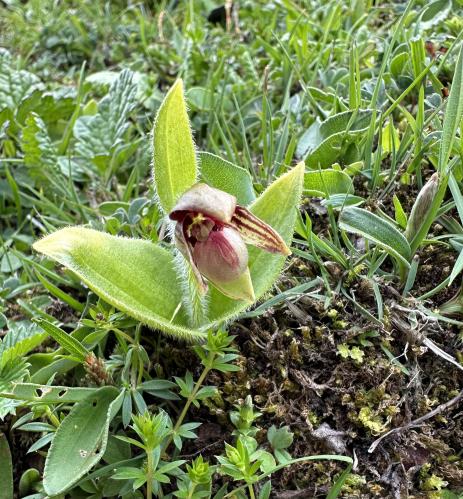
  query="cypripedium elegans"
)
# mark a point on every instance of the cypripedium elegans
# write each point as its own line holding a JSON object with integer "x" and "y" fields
{"x": 212, "y": 231}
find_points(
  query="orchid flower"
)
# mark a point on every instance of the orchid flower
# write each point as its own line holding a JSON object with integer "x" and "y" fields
{"x": 212, "y": 231}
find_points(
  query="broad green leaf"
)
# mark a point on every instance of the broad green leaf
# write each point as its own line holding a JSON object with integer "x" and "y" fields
{"x": 136, "y": 276}
{"x": 280, "y": 438}
{"x": 46, "y": 394}
{"x": 376, "y": 229}
{"x": 265, "y": 490}
{"x": 278, "y": 206}
{"x": 52, "y": 106}
{"x": 9, "y": 263}
{"x": 226, "y": 176}
{"x": 398, "y": 64}
{"x": 99, "y": 135}
{"x": 324, "y": 183}
{"x": 6, "y": 469}
{"x": 339, "y": 201}
{"x": 139, "y": 277}
{"x": 80, "y": 441}
{"x": 21, "y": 338}
{"x": 200, "y": 98}
{"x": 174, "y": 157}
{"x": 14, "y": 85}
{"x": 390, "y": 141}
{"x": 14, "y": 371}
{"x": 36, "y": 144}
{"x": 326, "y": 142}
{"x": 40, "y": 155}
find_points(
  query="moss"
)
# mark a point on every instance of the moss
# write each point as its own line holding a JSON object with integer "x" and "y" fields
{"x": 434, "y": 482}
{"x": 354, "y": 353}
{"x": 371, "y": 421}
{"x": 353, "y": 484}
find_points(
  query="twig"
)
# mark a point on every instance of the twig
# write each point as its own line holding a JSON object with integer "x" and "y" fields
{"x": 416, "y": 422}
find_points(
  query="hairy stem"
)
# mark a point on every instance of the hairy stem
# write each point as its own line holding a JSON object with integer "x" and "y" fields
{"x": 251, "y": 491}
{"x": 149, "y": 474}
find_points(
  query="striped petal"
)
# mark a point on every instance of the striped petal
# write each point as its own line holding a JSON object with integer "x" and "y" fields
{"x": 255, "y": 231}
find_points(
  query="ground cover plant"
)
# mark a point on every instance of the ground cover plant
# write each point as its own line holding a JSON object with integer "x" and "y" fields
{"x": 159, "y": 162}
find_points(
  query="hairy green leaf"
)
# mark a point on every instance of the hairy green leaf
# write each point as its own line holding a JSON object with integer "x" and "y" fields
{"x": 453, "y": 114}
{"x": 100, "y": 134}
{"x": 136, "y": 276}
{"x": 174, "y": 158}
{"x": 80, "y": 441}
{"x": 227, "y": 177}
{"x": 37, "y": 146}
{"x": 376, "y": 229}
{"x": 435, "y": 13}
{"x": 70, "y": 344}
{"x": 14, "y": 85}
{"x": 46, "y": 394}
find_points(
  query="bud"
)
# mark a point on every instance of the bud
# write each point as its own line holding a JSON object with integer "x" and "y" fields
{"x": 212, "y": 232}
{"x": 421, "y": 206}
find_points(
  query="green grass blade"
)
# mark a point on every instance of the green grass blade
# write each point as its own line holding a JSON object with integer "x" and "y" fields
{"x": 337, "y": 487}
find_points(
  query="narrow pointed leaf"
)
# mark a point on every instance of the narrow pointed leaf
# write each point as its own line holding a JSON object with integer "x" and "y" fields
{"x": 174, "y": 155}
{"x": 277, "y": 206}
{"x": 80, "y": 441}
{"x": 136, "y": 276}
{"x": 453, "y": 114}
{"x": 376, "y": 229}
{"x": 6, "y": 469}
{"x": 70, "y": 344}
